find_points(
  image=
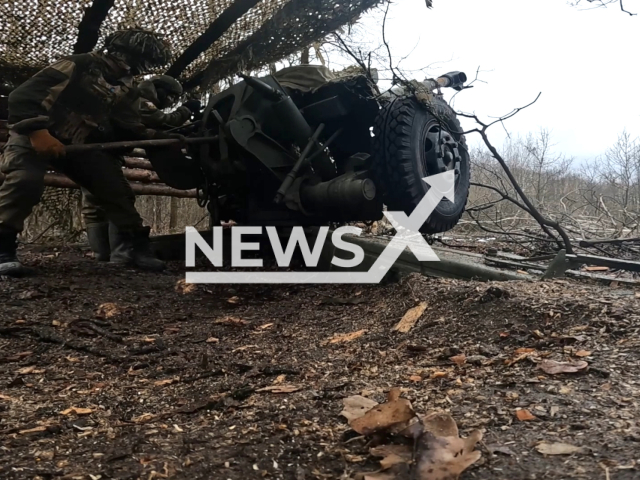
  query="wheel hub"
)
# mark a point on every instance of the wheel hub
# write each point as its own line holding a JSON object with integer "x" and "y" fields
{"x": 441, "y": 151}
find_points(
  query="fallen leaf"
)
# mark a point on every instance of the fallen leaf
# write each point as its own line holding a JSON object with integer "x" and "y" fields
{"x": 440, "y": 425}
{"x": 167, "y": 381}
{"x": 26, "y": 370}
{"x": 459, "y": 359}
{"x": 280, "y": 389}
{"x": 212, "y": 340}
{"x": 356, "y": 406}
{"x": 415, "y": 378}
{"x": 439, "y": 374}
{"x": 56, "y": 323}
{"x": 553, "y": 368}
{"x": 384, "y": 417}
{"x": 582, "y": 353}
{"x": 445, "y": 458}
{"x": 185, "y": 288}
{"x": 522, "y": 272}
{"x": 108, "y": 310}
{"x": 524, "y": 415}
{"x": 520, "y": 351}
{"x": 265, "y": 326}
{"x": 513, "y": 361}
{"x": 77, "y": 411}
{"x": 233, "y": 300}
{"x": 345, "y": 337}
{"x": 394, "y": 394}
{"x": 17, "y": 357}
{"x": 243, "y": 348}
{"x": 410, "y": 318}
{"x": 392, "y": 455}
{"x": 559, "y": 449}
{"x": 504, "y": 334}
{"x": 144, "y": 418}
{"x": 231, "y": 321}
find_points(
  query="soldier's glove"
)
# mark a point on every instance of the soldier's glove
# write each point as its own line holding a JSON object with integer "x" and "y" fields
{"x": 45, "y": 144}
{"x": 194, "y": 105}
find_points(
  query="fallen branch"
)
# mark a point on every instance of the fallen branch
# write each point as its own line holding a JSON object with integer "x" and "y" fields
{"x": 544, "y": 222}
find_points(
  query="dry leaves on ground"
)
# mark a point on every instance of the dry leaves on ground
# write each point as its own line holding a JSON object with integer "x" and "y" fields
{"x": 77, "y": 411}
{"x": 459, "y": 359}
{"x": 233, "y": 321}
{"x": 280, "y": 389}
{"x": 553, "y": 368}
{"x": 108, "y": 310}
{"x": 524, "y": 415}
{"x": 395, "y": 413}
{"x": 440, "y": 453}
{"x": 29, "y": 370}
{"x": 356, "y": 406}
{"x": 582, "y": 353}
{"x": 185, "y": 288}
{"x": 410, "y": 318}
{"x": 559, "y": 449}
{"x": 345, "y": 337}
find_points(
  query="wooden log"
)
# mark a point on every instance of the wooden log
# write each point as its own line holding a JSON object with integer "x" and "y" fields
{"x": 140, "y": 175}
{"x": 154, "y": 189}
{"x": 134, "y": 162}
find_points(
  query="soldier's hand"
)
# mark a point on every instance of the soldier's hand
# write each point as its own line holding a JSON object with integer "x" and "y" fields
{"x": 45, "y": 144}
{"x": 193, "y": 105}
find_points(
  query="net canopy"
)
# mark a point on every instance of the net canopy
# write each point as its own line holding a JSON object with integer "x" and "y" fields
{"x": 210, "y": 39}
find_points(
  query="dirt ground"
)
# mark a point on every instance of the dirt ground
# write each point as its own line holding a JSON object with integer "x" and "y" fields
{"x": 109, "y": 373}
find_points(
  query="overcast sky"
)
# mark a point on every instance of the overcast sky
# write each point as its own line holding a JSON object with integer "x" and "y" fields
{"x": 585, "y": 63}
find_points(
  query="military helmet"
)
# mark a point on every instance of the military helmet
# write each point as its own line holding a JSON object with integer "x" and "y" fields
{"x": 142, "y": 49}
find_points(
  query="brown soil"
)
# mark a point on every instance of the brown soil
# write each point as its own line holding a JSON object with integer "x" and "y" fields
{"x": 166, "y": 381}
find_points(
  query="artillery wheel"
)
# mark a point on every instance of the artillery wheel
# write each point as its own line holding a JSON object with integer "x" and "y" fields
{"x": 412, "y": 141}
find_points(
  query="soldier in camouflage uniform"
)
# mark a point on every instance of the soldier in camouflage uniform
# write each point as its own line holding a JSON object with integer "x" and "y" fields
{"x": 83, "y": 98}
{"x": 156, "y": 94}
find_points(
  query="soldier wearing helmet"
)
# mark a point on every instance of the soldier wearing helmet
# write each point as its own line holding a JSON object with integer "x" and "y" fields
{"x": 84, "y": 98}
{"x": 156, "y": 94}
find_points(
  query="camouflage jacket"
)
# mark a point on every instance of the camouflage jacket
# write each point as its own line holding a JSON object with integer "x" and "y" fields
{"x": 82, "y": 98}
{"x": 153, "y": 117}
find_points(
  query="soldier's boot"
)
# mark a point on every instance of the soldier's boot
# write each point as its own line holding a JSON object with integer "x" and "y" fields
{"x": 133, "y": 249}
{"x": 98, "y": 235}
{"x": 9, "y": 264}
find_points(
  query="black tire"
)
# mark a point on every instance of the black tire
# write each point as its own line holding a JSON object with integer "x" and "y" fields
{"x": 404, "y": 154}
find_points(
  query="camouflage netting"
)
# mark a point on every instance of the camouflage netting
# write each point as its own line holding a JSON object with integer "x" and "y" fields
{"x": 33, "y": 33}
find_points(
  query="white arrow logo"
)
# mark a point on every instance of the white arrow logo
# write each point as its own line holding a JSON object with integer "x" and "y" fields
{"x": 408, "y": 235}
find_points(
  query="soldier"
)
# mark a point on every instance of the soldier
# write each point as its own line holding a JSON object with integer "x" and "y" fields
{"x": 85, "y": 98}
{"x": 158, "y": 93}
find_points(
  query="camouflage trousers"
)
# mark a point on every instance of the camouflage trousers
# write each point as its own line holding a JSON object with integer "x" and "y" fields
{"x": 98, "y": 173}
